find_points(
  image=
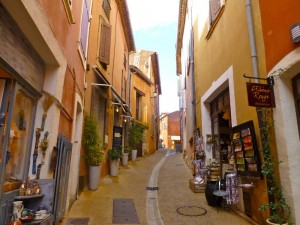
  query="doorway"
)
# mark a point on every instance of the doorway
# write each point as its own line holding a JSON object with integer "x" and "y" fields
{"x": 221, "y": 127}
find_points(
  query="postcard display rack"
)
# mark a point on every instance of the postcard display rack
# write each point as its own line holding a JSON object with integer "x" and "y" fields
{"x": 245, "y": 150}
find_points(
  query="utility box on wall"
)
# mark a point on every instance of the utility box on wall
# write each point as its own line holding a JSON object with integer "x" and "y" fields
{"x": 295, "y": 32}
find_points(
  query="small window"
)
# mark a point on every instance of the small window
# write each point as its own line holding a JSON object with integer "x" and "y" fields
{"x": 68, "y": 8}
{"x": 84, "y": 30}
{"x": 138, "y": 112}
{"x": 125, "y": 61}
{"x": 104, "y": 50}
{"x": 214, "y": 7}
{"x": 152, "y": 125}
{"x": 106, "y": 7}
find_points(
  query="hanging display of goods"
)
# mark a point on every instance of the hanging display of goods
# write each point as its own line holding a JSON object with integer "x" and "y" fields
{"x": 214, "y": 172}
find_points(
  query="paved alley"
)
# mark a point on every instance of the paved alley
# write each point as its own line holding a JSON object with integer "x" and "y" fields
{"x": 168, "y": 171}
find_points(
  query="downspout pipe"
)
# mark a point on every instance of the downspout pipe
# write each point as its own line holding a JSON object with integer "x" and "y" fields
{"x": 252, "y": 39}
{"x": 253, "y": 53}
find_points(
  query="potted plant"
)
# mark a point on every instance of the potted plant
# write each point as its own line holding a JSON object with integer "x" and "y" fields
{"x": 136, "y": 136}
{"x": 125, "y": 154}
{"x": 94, "y": 149}
{"x": 277, "y": 206}
{"x": 114, "y": 155}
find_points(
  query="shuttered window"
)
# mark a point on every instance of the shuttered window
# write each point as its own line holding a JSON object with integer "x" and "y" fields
{"x": 106, "y": 7}
{"x": 68, "y": 8}
{"x": 84, "y": 30}
{"x": 104, "y": 51}
{"x": 214, "y": 7}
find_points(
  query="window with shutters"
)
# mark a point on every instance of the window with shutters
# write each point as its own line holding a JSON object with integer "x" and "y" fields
{"x": 216, "y": 9}
{"x": 68, "y": 9}
{"x": 84, "y": 30}
{"x": 106, "y": 7}
{"x": 125, "y": 60}
{"x": 138, "y": 112}
{"x": 296, "y": 90}
{"x": 104, "y": 50}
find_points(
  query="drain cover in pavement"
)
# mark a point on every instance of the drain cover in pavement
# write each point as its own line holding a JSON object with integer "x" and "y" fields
{"x": 124, "y": 212}
{"x": 78, "y": 221}
{"x": 191, "y": 211}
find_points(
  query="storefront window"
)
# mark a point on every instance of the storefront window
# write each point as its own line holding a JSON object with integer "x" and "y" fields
{"x": 17, "y": 144}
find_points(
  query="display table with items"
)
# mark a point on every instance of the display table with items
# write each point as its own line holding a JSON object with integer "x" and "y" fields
{"x": 34, "y": 203}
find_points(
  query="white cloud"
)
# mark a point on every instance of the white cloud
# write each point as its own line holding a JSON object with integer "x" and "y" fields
{"x": 145, "y": 14}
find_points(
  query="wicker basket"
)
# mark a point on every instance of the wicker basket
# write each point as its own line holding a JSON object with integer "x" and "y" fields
{"x": 197, "y": 188}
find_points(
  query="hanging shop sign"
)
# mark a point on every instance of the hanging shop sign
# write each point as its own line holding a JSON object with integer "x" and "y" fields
{"x": 260, "y": 95}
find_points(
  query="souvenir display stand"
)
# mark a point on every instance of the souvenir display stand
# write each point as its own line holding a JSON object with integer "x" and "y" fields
{"x": 37, "y": 207}
{"x": 245, "y": 150}
{"x": 198, "y": 184}
{"x": 246, "y": 163}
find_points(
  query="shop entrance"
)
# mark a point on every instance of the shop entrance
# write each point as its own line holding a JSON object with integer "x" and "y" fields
{"x": 221, "y": 127}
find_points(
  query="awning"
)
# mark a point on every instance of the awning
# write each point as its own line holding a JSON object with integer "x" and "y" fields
{"x": 118, "y": 99}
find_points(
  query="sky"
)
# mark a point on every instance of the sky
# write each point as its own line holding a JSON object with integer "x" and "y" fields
{"x": 154, "y": 26}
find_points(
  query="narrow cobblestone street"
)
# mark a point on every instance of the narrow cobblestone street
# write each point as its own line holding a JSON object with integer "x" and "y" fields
{"x": 173, "y": 194}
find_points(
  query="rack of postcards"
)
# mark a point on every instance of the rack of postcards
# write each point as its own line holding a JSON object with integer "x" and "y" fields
{"x": 245, "y": 150}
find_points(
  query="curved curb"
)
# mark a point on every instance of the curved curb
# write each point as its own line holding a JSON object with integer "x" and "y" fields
{"x": 152, "y": 208}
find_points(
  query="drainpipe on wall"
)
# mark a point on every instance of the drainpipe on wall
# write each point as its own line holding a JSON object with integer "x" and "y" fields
{"x": 253, "y": 52}
{"x": 252, "y": 39}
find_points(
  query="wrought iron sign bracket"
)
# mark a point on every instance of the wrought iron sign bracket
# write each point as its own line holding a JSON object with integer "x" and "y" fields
{"x": 270, "y": 80}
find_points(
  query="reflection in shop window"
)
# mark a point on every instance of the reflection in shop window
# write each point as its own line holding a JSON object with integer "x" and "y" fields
{"x": 18, "y": 143}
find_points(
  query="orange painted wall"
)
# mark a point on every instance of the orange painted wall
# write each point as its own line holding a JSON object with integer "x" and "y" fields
{"x": 277, "y": 18}
{"x": 67, "y": 35}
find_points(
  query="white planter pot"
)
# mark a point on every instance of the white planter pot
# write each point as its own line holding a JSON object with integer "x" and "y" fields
{"x": 124, "y": 159}
{"x": 133, "y": 155}
{"x": 94, "y": 177}
{"x": 114, "y": 167}
{"x": 268, "y": 222}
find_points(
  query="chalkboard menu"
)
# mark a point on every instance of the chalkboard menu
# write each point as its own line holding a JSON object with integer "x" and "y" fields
{"x": 117, "y": 137}
{"x": 245, "y": 150}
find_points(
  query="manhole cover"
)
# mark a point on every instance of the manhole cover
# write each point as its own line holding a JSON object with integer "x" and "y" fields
{"x": 179, "y": 164}
{"x": 78, "y": 221}
{"x": 191, "y": 211}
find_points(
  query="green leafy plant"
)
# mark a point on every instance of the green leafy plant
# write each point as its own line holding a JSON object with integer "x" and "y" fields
{"x": 279, "y": 209}
{"x": 114, "y": 153}
{"x": 92, "y": 142}
{"x": 126, "y": 149}
{"x": 136, "y": 135}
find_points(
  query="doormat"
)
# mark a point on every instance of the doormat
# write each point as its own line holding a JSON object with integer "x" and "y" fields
{"x": 78, "y": 221}
{"x": 124, "y": 212}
